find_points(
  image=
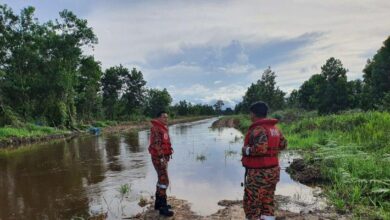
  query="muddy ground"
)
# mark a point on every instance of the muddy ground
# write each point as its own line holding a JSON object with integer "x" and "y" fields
{"x": 232, "y": 210}
{"x": 305, "y": 173}
{"x": 226, "y": 122}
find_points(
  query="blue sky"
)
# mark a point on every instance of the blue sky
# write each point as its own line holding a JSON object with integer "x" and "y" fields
{"x": 202, "y": 51}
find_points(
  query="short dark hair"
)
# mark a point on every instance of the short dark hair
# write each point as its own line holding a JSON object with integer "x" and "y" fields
{"x": 160, "y": 113}
{"x": 260, "y": 109}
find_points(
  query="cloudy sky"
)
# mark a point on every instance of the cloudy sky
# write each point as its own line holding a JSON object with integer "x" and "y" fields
{"x": 202, "y": 51}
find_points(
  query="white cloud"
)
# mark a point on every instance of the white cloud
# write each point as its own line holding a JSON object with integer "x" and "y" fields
{"x": 230, "y": 94}
{"x": 130, "y": 33}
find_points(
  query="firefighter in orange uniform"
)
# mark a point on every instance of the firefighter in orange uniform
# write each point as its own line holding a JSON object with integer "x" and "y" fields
{"x": 161, "y": 151}
{"x": 262, "y": 144}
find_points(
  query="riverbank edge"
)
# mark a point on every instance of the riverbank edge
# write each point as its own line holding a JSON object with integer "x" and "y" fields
{"x": 230, "y": 209}
{"x": 299, "y": 169}
{"x": 311, "y": 169}
{"x": 233, "y": 209}
{"x": 16, "y": 142}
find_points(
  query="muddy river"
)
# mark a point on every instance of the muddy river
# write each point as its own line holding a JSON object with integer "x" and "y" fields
{"x": 112, "y": 173}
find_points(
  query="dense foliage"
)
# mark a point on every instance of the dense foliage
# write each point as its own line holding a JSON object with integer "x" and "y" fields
{"x": 46, "y": 79}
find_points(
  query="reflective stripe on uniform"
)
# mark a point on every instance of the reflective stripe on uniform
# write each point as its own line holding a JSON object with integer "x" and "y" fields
{"x": 162, "y": 186}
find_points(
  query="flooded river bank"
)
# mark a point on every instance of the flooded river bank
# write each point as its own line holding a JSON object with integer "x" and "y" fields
{"x": 87, "y": 175}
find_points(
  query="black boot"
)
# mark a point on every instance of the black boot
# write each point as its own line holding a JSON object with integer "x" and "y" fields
{"x": 161, "y": 202}
{"x": 164, "y": 203}
{"x": 157, "y": 203}
{"x": 166, "y": 212}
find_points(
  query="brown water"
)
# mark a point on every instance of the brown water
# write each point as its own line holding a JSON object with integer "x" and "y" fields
{"x": 82, "y": 177}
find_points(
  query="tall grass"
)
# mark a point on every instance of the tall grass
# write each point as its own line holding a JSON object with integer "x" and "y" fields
{"x": 353, "y": 151}
{"x": 28, "y": 130}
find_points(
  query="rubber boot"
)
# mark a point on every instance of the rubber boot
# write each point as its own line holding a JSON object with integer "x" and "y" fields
{"x": 157, "y": 203}
{"x": 165, "y": 203}
{"x": 164, "y": 211}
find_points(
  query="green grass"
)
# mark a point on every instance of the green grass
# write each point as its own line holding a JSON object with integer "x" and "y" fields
{"x": 28, "y": 130}
{"x": 353, "y": 151}
{"x": 102, "y": 124}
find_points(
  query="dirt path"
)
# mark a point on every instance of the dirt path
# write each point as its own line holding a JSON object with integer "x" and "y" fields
{"x": 226, "y": 122}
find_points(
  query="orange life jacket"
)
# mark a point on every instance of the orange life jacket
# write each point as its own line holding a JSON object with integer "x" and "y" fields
{"x": 166, "y": 141}
{"x": 270, "y": 158}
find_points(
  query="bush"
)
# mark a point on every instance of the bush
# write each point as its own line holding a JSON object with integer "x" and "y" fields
{"x": 8, "y": 117}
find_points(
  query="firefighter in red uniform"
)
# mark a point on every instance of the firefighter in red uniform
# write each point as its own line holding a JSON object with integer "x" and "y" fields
{"x": 262, "y": 144}
{"x": 161, "y": 151}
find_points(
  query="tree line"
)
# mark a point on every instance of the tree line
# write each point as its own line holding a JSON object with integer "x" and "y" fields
{"x": 329, "y": 91}
{"x": 46, "y": 78}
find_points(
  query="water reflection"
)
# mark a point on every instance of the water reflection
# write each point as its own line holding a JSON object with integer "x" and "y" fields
{"x": 48, "y": 181}
{"x": 132, "y": 141}
{"x": 112, "y": 152}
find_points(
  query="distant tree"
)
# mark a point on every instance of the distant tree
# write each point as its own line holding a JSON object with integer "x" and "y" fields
{"x": 186, "y": 108}
{"x": 293, "y": 99}
{"x": 218, "y": 106}
{"x": 204, "y": 109}
{"x": 311, "y": 91}
{"x": 377, "y": 77}
{"x": 265, "y": 90}
{"x": 87, "y": 101}
{"x": 238, "y": 108}
{"x": 134, "y": 90}
{"x": 355, "y": 93}
{"x": 157, "y": 100}
{"x": 112, "y": 86}
{"x": 228, "y": 111}
{"x": 182, "y": 108}
{"x": 335, "y": 96}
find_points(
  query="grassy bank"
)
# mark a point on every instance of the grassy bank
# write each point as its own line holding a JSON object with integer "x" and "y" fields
{"x": 30, "y": 133}
{"x": 353, "y": 152}
{"x": 27, "y": 131}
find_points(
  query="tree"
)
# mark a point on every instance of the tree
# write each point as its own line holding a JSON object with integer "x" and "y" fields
{"x": 182, "y": 108}
{"x": 293, "y": 99}
{"x": 134, "y": 91}
{"x": 264, "y": 90}
{"x": 88, "y": 85}
{"x": 310, "y": 93}
{"x": 355, "y": 93}
{"x": 111, "y": 86}
{"x": 40, "y": 63}
{"x": 218, "y": 106}
{"x": 157, "y": 100}
{"x": 228, "y": 111}
{"x": 335, "y": 96}
{"x": 377, "y": 77}
{"x": 238, "y": 108}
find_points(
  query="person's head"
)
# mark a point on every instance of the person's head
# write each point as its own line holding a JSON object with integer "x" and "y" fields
{"x": 162, "y": 116}
{"x": 258, "y": 110}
